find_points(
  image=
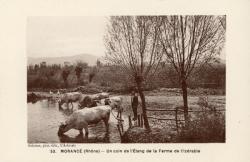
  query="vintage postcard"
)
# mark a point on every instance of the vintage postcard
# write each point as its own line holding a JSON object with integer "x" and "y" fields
{"x": 138, "y": 81}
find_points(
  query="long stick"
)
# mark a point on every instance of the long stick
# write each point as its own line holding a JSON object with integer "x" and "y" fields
{"x": 141, "y": 120}
{"x": 176, "y": 119}
{"x": 129, "y": 121}
{"x": 119, "y": 130}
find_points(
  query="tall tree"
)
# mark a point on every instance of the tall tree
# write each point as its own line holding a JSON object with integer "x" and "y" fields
{"x": 132, "y": 43}
{"x": 80, "y": 66}
{"x": 98, "y": 63}
{"x": 92, "y": 73}
{"x": 65, "y": 74}
{"x": 190, "y": 42}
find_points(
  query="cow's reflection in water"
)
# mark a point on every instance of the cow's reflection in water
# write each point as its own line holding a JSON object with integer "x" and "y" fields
{"x": 66, "y": 112}
{"x": 51, "y": 102}
{"x": 81, "y": 139}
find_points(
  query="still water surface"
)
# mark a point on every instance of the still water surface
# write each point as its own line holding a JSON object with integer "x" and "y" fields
{"x": 44, "y": 118}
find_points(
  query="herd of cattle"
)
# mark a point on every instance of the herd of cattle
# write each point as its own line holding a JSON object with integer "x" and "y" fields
{"x": 91, "y": 110}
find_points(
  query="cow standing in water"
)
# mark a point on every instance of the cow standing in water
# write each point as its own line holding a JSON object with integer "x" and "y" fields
{"x": 80, "y": 119}
{"x": 87, "y": 102}
{"x": 69, "y": 98}
{"x": 115, "y": 102}
{"x": 92, "y": 100}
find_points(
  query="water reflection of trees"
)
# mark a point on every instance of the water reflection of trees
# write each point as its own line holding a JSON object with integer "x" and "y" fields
{"x": 33, "y": 101}
{"x": 81, "y": 139}
{"x": 48, "y": 103}
{"x": 45, "y": 102}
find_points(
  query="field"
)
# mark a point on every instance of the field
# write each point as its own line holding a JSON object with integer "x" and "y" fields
{"x": 205, "y": 126}
{"x": 155, "y": 100}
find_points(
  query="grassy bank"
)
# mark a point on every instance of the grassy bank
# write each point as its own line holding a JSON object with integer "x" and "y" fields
{"x": 204, "y": 126}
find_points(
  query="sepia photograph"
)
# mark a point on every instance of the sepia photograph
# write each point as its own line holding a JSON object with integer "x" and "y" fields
{"x": 126, "y": 79}
{"x": 145, "y": 80}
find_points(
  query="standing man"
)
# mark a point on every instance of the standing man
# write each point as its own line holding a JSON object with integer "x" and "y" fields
{"x": 134, "y": 103}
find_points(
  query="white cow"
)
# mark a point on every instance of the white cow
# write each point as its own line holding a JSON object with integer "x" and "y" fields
{"x": 80, "y": 119}
{"x": 103, "y": 95}
{"x": 115, "y": 102}
{"x": 69, "y": 98}
{"x": 99, "y": 96}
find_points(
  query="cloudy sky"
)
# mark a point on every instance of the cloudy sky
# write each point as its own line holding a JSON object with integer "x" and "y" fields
{"x": 65, "y": 36}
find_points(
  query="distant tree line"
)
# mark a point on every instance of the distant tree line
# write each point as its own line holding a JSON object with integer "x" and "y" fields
{"x": 56, "y": 76}
{"x": 60, "y": 76}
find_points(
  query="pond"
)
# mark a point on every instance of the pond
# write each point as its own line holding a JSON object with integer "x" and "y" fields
{"x": 44, "y": 118}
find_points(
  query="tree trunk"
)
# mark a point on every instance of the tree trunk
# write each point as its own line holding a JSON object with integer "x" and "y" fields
{"x": 185, "y": 100}
{"x": 144, "y": 112}
{"x": 65, "y": 83}
{"x": 78, "y": 80}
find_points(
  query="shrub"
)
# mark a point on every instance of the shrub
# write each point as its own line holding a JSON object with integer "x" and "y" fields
{"x": 208, "y": 126}
{"x": 42, "y": 82}
{"x": 103, "y": 84}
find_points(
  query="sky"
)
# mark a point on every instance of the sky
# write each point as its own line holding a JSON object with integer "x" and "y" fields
{"x": 65, "y": 36}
